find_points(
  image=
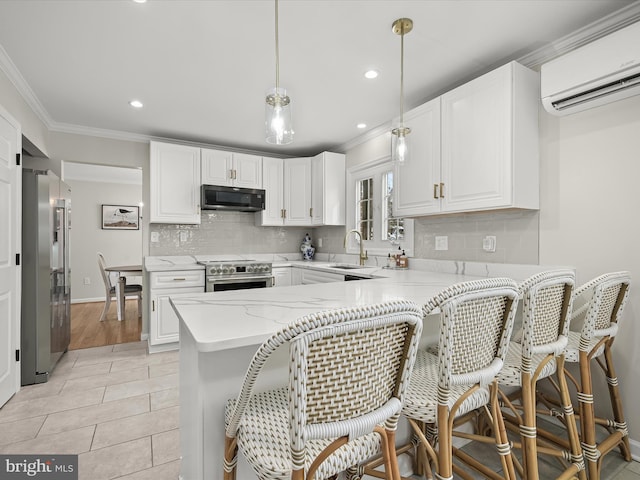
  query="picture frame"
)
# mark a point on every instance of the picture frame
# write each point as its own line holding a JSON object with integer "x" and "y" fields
{"x": 120, "y": 217}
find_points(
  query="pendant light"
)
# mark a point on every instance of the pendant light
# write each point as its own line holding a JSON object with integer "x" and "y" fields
{"x": 278, "y": 128}
{"x": 399, "y": 140}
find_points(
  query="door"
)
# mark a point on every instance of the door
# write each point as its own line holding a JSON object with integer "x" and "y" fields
{"x": 216, "y": 167}
{"x": 247, "y": 170}
{"x": 10, "y": 201}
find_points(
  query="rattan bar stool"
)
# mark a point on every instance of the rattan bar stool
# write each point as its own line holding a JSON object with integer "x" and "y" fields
{"x": 546, "y": 308}
{"x": 348, "y": 371}
{"x": 476, "y": 321}
{"x": 598, "y": 306}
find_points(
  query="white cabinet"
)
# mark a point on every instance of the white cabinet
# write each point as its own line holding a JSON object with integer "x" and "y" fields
{"x": 297, "y": 191}
{"x": 304, "y": 191}
{"x": 231, "y": 169}
{"x": 310, "y": 277}
{"x": 287, "y": 185}
{"x": 414, "y": 178}
{"x": 328, "y": 189}
{"x": 163, "y": 321}
{"x": 281, "y": 276}
{"x": 488, "y": 152}
{"x": 174, "y": 175}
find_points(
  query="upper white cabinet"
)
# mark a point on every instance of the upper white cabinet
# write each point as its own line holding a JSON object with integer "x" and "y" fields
{"x": 488, "y": 152}
{"x": 297, "y": 191}
{"x": 174, "y": 172}
{"x": 328, "y": 189}
{"x": 231, "y": 169}
{"x": 413, "y": 179}
{"x": 304, "y": 191}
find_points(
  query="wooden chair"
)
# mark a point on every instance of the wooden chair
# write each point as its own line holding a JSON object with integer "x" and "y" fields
{"x": 546, "y": 309}
{"x": 347, "y": 376}
{"x": 598, "y": 307}
{"x": 476, "y": 321}
{"x": 110, "y": 290}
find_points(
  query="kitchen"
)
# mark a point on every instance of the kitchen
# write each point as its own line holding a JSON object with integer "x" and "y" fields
{"x": 579, "y": 223}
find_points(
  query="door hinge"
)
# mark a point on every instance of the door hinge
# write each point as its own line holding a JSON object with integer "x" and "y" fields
{"x": 17, "y": 355}
{"x": 17, "y": 259}
{"x": 18, "y": 159}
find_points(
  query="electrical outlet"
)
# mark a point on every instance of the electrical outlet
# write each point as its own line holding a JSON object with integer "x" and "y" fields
{"x": 155, "y": 237}
{"x": 442, "y": 243}
{"x": 87, "y": 281}
{"x": 184, "y": 235}
{"x": 319, "y": 242}
{"x": 489, "y": 243}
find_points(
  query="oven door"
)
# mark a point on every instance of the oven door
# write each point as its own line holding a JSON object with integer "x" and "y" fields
{"x": 223, "y": 284}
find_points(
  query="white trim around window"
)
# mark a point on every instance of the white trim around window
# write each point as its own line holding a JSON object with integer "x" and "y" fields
{"x": 376, "y": 170}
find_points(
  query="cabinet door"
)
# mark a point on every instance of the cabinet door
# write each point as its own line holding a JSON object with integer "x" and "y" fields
{"x": 416, "y": 186}
{"x": 476, "y": 143}
{"x": 297, "y": 191}
{"x": 282, "y": 277}
{"x": 164, "y": 323}
{"x": 328, "y": 189}
{"x": 273, "y": 178}
{"x": 310, "y": 277}
{"x": 174, "y": 172}
{"x": 247, "y": 170}
{"x": 216, "y": 167}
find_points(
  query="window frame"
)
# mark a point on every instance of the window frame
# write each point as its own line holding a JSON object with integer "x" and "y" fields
{"x": 378, "y": 247}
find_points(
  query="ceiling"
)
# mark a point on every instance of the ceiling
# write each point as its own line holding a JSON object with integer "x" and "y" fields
{"x": 202, "y": 68}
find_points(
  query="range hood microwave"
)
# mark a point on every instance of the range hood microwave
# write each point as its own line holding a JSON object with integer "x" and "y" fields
{"x": 218, "y": 197}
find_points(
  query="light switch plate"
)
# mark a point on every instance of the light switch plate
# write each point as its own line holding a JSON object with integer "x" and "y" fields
{"x": 442, "y": 243}
{"x": 184, "y": 236}
{"x": 155, "y": 237}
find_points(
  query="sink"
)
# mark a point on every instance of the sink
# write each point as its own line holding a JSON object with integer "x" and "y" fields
{"x": 348, "y": 266}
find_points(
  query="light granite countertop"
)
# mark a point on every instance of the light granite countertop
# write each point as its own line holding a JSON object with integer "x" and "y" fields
{"x": 232, "y": 319}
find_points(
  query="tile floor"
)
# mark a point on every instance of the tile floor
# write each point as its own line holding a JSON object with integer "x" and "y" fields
{"x": 117, "y": 408}
{"x": 114, "y": 406}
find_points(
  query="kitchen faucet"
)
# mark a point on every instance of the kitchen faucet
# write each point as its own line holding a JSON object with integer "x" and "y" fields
{"x": 363, "y": 254}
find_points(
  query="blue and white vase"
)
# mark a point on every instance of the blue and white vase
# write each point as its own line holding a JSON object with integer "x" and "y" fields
{"x": 308, "y": 250}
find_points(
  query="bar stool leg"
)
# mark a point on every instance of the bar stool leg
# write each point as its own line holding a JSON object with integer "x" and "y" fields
{"x": 616, "y": 402}
{"x": 570, "y": 422}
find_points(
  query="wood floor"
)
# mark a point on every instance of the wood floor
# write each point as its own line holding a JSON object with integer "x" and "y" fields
{"x": 88, "y": 331}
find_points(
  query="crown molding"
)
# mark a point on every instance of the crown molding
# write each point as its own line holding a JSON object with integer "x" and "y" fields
{"x": 587, "y": 34}
{"x": 13, "y": 74}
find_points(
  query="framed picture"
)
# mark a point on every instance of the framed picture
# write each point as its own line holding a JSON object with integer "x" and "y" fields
{"x": 120, "y": 217}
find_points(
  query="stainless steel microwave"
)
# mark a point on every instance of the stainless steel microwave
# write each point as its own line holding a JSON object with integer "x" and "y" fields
{"x": 218, "y": 197}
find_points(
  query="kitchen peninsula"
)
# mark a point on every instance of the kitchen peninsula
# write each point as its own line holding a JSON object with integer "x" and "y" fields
{"x": 220, "y": 332}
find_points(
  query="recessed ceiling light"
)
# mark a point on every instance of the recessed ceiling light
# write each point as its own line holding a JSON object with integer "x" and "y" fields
{"x": 140, "y": 1}
{"x": 135, "y": 103}
{"x": 371, "y": 74}
{"x": 361, "y": 125}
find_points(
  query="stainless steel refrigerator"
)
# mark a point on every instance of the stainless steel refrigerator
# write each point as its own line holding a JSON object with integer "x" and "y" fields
{"x": 46, "y": 276}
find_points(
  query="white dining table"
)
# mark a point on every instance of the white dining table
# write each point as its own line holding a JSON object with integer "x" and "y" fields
{"x": 122, "y": 271}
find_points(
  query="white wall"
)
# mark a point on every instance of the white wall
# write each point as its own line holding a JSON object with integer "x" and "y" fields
{"x": 120, "y": 247}
{"x": 590, "y": 196}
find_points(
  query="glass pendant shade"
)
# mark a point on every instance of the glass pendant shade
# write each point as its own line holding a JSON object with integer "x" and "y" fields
{"x": 400, "y": 144}
{"x": 278, "y": 127}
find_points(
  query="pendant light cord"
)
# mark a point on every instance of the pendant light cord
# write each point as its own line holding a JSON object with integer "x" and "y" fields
{"x": 277, "y": 52}
{"x": 401, "y": 76}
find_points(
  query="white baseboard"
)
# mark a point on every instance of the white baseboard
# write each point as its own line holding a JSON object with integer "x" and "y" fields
{"x": 97, "y": 299}
{"x": 635, "y": 449}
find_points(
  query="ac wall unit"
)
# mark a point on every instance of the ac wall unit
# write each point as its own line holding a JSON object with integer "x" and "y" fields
{"x": 603, "y": 71}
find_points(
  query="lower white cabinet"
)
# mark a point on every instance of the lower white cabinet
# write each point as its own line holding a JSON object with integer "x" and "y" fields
{"x": 163, "y": 321}
{"x": 309, "y": 277}
{"x": 281, "y": 276}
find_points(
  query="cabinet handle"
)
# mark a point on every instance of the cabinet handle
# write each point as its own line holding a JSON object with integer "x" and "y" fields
{"x": 311, "y": 212}
{"x": 435, "y": 190}
{"x": 442, "y": 190}
{"x": 235, "y": 174}
{"x": 281, "y": 213}
{"x": 285, "y": 213}
{"x": 179, "y": 279}
{"x": 153, "y": 305}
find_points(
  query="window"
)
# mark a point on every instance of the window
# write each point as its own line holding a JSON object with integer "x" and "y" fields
{"x": 370, "y": 211}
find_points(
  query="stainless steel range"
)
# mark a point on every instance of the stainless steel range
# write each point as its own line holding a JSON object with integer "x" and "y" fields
{"x": 223, "y": 275}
